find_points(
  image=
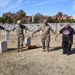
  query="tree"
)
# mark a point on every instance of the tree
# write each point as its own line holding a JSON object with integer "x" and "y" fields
{"x": 21, "y": 14}
{"x": 9, "y": 20}
{"x": 39, "y": 17}
{"x": 15, "y": 20}
{"x": 49, "y": 19}
{"x": 5, "y": 17}
{"x": 23, "y": 20}
{"x": 72, "y": 21}
{"x": 1, "y": 20}
{"x": 13, "y": 17}
{"x": 35, "y": 19}
{"x": 56, "y": 20}
{"x": 62, "y": 20}
{"x": 59, "y": 15}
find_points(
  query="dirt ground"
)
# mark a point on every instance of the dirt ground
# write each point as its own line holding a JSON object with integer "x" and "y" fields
{"x": 36, "y": 62}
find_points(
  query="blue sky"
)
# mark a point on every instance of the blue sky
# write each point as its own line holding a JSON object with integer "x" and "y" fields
{"x": 45, "y": 7}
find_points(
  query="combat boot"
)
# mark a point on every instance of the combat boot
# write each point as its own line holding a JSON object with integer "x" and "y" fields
{"x": 22, "y": 49}
{"x": 47, "y": 49}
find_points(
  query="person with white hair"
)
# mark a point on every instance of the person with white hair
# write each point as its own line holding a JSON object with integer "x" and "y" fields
{"x": 45, "y": 37}
{"x": 67, "y": 38}
{"x": 20, "y": 34}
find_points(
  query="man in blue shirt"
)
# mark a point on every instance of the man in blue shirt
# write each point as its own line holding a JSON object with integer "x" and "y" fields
{"x": 67, "y": 38}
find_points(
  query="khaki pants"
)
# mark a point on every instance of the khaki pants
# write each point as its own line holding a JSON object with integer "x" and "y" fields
{"x": 45, "y": 40}
{"x": 20, "y": 40}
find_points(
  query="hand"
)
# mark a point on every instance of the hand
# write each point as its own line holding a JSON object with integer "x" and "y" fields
{"x": 32, "y": 33}
{"x": 70, "y": 42}
{"x": 56, "y": 36}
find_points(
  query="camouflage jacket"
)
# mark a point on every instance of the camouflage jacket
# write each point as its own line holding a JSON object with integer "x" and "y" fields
{"x": 45, "y": 29}
{"x": 19, "y": 29}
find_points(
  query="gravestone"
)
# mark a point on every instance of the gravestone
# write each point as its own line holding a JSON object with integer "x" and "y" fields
{"x": 7, "y": 36}
{"x": 25, "y": 31}
{"x": 27, "y": 41}
{"x": 3, "y": 46}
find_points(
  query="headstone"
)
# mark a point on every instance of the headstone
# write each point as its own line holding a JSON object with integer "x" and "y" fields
{"x": 25, "y": 31}
{"x": 27, "y": 41}
{"x": 3, "y": 46}
{"x": 7, "y": 36}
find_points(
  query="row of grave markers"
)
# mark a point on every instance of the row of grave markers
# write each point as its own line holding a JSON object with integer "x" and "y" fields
{"x": 32, "y": 27}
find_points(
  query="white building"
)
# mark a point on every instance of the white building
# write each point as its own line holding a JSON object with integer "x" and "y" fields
{"x": 73, "y": 16}
{"x": 32, "y": 18}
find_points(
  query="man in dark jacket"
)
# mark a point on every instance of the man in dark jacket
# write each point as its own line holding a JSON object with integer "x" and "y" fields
{"x": 67, "y": 38}
{"x": 2, "y": 28}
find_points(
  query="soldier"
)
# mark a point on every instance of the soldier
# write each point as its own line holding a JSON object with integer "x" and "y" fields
{"x": 45, "y": 37}
{"x": 67, "y": 38}
{"x": 20, "y": 35}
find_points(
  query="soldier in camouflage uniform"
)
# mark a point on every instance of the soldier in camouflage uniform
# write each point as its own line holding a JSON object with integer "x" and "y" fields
{"x": 45, "y": 34}
{"x": 20, "y": 35}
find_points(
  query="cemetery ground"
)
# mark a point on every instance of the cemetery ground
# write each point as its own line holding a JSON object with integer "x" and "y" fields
{"x": 34, "y": 61}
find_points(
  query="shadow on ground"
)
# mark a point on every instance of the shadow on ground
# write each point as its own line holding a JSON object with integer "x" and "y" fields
{"x": 73, "y": 51}
{"x": 60, "y": 47}
{"x": 11, "y": 49}
{"x": 55, "y": 48}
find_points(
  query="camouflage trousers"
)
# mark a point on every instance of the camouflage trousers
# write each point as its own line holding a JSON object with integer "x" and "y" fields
{"x": 20, "y": 40}
{"x": 45, "y": 39}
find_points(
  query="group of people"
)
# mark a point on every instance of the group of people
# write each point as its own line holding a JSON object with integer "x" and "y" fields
{"x": 67, "y": 35}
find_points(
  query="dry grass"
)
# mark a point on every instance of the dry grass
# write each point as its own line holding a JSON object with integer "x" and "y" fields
{"x": 35, "y": 62}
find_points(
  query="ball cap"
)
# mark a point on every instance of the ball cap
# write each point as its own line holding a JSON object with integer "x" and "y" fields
{"x": 19, "y": 21}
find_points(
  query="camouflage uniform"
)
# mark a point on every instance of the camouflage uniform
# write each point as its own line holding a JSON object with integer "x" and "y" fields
{"x": 45, "y": 37}
{"x": 20, "y": 35}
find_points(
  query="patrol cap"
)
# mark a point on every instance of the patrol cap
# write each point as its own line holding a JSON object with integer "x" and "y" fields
{"x": 18, "y": 21}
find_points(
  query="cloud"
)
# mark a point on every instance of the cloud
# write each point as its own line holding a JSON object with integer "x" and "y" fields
{"x": 73, "y": 7}
{"x": 16, "y": 6}
{"x": 33, "y": 1}
{"x": 19, "y": 1}
{"x": 27, "y": 1}
{"x": 4, "y": 3}
{"x": 47, "y": 2}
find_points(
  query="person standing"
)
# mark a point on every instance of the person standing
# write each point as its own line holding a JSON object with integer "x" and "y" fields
{"x": 67, "y": 38}
{"x": 20, "y": 34}
{"x": 45, "y": 37}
